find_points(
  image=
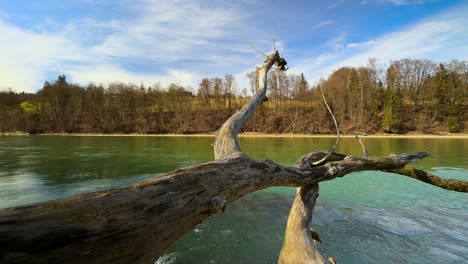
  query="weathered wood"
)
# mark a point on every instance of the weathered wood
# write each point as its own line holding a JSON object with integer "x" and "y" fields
{"x": 137, "y": 222}
{"x": 420, "y": 175}
{"x": 226, "y": 142}
{"x": 298, "y": 246}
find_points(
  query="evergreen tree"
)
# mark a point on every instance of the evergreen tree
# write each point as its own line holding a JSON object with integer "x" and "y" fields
{"x": 450, "y": 97}
{"x": 300, "y": 88}
{"x": 393, "y": 103}
{"x": 441, "y": 89}
{"x": 353, "y": 97}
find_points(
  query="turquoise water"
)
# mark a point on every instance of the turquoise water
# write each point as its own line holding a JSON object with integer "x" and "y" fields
{"x": 368, "y": 217}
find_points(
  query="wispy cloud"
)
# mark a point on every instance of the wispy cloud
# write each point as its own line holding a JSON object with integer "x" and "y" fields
{"x": 441, "y": 38}
{"x": 360, "y": 45}
{"x": 170, "y": 30}
{"x": 405, "y": 2}
{"x": 27, "y": 56}
{"x": 336, "y": 42}
{"x": 108, "y": 73}
{"x": 398, "y": 2}
{"x": 178, "y": 41}
{"x": 323, "y": 23}
{"x": 183, "y": 41}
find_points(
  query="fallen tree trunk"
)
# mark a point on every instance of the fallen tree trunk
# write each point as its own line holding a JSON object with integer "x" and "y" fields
{"x": 137, "y": 222}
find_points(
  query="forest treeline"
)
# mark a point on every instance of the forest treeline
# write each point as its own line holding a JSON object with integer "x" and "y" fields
{"x": 405, "y": 96}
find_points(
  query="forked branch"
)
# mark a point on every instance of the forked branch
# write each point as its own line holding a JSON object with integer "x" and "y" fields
{"x": 226, "y": 141}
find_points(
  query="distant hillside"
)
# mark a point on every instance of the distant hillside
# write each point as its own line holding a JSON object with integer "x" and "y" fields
{"x": 408, "y": 96}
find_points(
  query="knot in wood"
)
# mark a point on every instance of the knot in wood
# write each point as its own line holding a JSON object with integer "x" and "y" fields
{"x": 332, "y": 170}
{"x": 281, "y": 64}
{"x": 219, "y": 204}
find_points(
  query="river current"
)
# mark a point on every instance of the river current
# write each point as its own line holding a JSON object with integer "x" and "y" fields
{"x": 366, "y": 217}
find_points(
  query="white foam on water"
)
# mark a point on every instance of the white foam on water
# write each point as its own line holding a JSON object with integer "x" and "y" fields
{"x": 168, "y": 259}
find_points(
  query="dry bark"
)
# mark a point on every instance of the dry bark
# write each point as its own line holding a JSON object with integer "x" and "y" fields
{"x": 448, "y": 184}
{"x": 226, "y": 142}
{"x": 298, "y": 246}
{"x": 137, "y": 222}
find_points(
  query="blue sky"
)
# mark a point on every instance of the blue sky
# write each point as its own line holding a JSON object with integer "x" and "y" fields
{"x": 150, "y": 41}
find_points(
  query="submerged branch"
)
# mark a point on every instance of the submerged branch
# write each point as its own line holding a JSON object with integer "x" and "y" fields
{"x": 420, "y": 175}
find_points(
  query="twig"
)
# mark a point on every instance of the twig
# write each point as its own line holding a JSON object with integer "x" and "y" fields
{"x": 364, "y": 150}
{"x": 255, "y": 48}
{"x": 337, "y": 132}
{"x": 274, "y": 46}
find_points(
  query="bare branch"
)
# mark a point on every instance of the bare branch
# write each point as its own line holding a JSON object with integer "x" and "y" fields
{"x": 297, "y": 247}
{"x": 337, "y": 130}
{"x": 226, "y": 142}
{"x": 364, "y": 150}
{"x": 448, "y": 184}
{"x": 274, "y": 41}
{"x": 255, "y": 48}
{"x": 307, "y": 161}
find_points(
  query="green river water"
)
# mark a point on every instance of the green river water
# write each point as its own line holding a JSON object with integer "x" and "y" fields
{"x": 367, "y": 217}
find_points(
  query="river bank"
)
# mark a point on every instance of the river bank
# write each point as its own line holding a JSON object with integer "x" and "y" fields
{"x": 250, "y": 134}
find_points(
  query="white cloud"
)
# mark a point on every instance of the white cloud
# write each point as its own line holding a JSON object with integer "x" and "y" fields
{"x": 398, "y": 2}
{"x": 111, "y": 73}
{"x": 172, "y": 31}
{"x": 360, "y": 45}
{"x": 405, "y": 2}
{"x": 183, "y": 40}
{"x": 199, "y": 39}
{"x": 336, "y": 42}
{"x": 27, "y": 56}
{"x": 323, "y": 23}
{"x": 440, "y": 38}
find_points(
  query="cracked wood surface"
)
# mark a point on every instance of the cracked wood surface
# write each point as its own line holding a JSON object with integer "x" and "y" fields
{"x": 137, "y": 222}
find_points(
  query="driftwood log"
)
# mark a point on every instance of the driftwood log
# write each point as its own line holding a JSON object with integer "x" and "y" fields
{"x": 137, "y": 222}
